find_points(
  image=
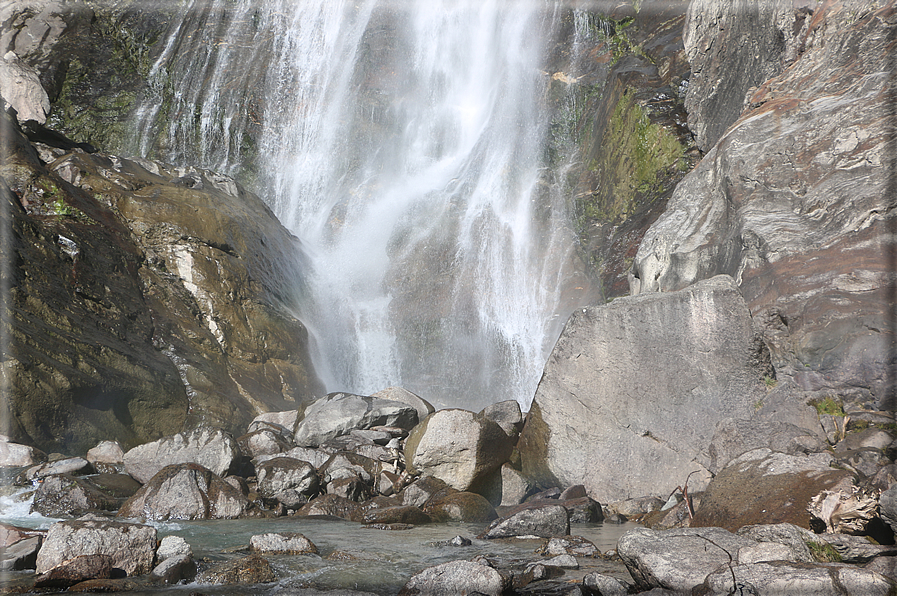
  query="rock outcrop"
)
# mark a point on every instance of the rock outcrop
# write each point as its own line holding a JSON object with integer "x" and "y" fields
{"x": 633, "y": 389}
{"x": 795, "y": 198}
{"x": 132, "y": 317}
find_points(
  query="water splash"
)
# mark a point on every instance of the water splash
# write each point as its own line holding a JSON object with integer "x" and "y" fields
{"x": 404, "y": 143}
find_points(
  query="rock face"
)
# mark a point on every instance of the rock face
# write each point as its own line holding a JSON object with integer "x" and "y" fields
{"x": 804, "y": 233}
{"x": 458, "y": 447}
{"x": 131, "y": 316}
{"x": 21, "y": 88}
{"x": 636, "y": 387}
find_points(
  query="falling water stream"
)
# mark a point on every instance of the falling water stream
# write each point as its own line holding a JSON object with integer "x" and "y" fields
{"x": 404, "y": 144}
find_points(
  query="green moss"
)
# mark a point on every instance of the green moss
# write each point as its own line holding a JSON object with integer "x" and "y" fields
{"x": 638, "y": 156}
{"x": 824, "y": 553}
{"x": 828, "y": 405}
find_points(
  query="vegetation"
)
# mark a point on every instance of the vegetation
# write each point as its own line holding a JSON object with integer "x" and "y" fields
{"x": 824, "y": 552}
{"x": 828, "y": 405}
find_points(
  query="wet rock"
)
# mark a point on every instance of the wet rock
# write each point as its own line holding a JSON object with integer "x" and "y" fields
{"x": 402, "y": 514}
{"x": 702, "y": 363}
{"x": 64, "y": 494}
{"x": 506, "y": 414}
{"x": 288, "y": 481}
{"x": 392, "y": 527}
{"x": 333, "y": 505}
{"x": 636, "y": 506}
{"x": 460, "y": 507}
{"x": 764, "y": 487}
{"x": 107, "y": 457}
{"x": 211, "y": 448}
{"x": 185, "y": 491}
{"x": 676, "y": 559}
{"x": 561, "y": 562}
{"x": 400, "y": 394}
{"x": 545, "y": 521}
{"x": 570, "y": 545}
{"x": 76, "y": 570}
{"x": 336, "y": 414}
{"x": 781, "y": 577}
{"x": 583, "y": 510}
{"x": 14, "y": 455}
{"x": 455, "y": 577}
{"x": 459, "y": 447}
{"x": 246, "y": 570}
{"x": 131, "y": 546}
{"x": 457, "y": 541}
{"x": 19, "y": 555}
{"x": 282, "y": 543}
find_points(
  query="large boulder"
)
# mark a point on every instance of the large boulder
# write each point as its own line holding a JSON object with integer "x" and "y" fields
{"x": 185, "y": 491}
{"x": 336, "y": 414}
{"x": 125, "y": 301}
{"x": 21, "y": 89}
{"x": 692, "y": 355}
{"x": 543, "y": 520}
{"x": 459, "y": 447}
{"x": 781, "y": 577}
{"x": 211, "y": 448}
{"x": 64, "y": 495}
{"x": 287, "y": 480}
{"x": 765, "y": 487}
{"x": 805, "y": 233}
{"x": 131, "y": 546}
{"x": 400, "y": 394}
{"x": 677, "y": 559}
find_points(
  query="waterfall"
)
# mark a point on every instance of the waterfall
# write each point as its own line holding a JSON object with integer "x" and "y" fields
{"x": 405, "y": 144}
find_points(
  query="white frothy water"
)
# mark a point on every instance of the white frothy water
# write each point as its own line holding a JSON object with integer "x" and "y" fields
{"x": 404, "y": 143}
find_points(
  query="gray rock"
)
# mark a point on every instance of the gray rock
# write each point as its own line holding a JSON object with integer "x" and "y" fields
{"x": 107, "y": 457}
{"x": 262, "y": 442}
{"x": 173, "y": 546}
{"x": 677, "y": 559}
{"x": 424, "y": 489}
{"x": 514, "y": 486}
{"x": 887, "y": 504}
{"x": 174, "y": 570}
{"x": 763, "y": 552}
{"x": 857, "y": 549}
{"x": 211, "y": 448}
{"x": 793, "y": 537}
{"x": 21, "y": 88}
{"x": 282, "y": 543}
{"x": 735, "y": 437}
{"x": 545, "y": 521}
{"x": 783, "y": 227}
{"x": 506, "y": 414}
{"x": 636, "y": 505}
{"x": 458, "y": 447}
{"x": 561, "y": 562}
{"x": 15, "y": 455}
{"x": 283, "y": 422}
{"x": 20, "y": 555}
{"x": 400, "y": 394}
{"x": 782, "y": 577}
{"x": 131, "y": 546}
{"x": 185, "y": 491}
{"x": 70, "y": 465}
{"x": 453, "y": 578}
{"x": 605, "y": 585}
{"x": 337, "y": 414}
{"x": 315, "y": 457}
{"x": 694, "y": 354}
{"x": 64, "y": 494}
{"x": 288, "y": 481}
{"x": 571, "y": 545}
{"x": 75, "y": 570}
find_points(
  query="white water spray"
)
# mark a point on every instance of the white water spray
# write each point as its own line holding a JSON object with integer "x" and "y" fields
{"x": 404, "y": 143}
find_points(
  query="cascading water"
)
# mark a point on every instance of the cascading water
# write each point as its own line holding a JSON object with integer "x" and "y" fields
{"x": 404, "y": 143}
